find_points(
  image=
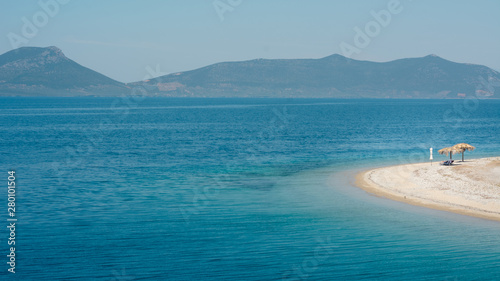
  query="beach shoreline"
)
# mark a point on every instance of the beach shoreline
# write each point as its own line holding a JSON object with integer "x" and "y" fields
{"x": 469, "y": 188}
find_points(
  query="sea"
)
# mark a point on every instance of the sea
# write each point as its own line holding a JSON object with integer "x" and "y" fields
{"x": 143, "y": 188}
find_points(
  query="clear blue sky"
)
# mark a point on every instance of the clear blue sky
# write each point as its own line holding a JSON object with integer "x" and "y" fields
{"x": 122, "y": 38}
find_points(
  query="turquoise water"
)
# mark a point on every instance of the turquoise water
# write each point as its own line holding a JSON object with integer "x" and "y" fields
{"x": 236, "y": 189}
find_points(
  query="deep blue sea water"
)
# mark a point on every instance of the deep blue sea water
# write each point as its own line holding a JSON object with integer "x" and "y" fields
{"x": 235, "y": 189}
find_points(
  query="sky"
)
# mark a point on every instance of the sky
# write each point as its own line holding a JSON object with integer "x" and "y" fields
{"x": 132, "y": 40}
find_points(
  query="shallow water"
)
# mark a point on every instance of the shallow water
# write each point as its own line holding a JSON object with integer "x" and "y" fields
{"x": 237, "y": 189}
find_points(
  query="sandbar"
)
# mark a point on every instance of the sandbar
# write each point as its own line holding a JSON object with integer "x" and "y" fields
{"x": 468, "y": 188}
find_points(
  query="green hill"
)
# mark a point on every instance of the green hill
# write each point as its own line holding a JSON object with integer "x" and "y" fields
{"x": 47, "y": 72}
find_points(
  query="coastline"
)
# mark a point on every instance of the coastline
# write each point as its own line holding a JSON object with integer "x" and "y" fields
{"x": 469, "y": 188}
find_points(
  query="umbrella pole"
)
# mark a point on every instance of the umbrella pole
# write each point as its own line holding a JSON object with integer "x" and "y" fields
{"x": 463, "y": 156}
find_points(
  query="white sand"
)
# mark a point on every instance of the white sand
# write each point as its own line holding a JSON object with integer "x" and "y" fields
{"x": 471, "y": 187}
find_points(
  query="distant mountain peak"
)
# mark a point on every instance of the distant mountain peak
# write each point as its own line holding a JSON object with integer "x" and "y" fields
{"x": 52, "y": 55}
{"x": 56, "y": 51}
{"x": 335, "y": 56}
{"x": 33, "y": 55}
{"x": 37, "y": 70}
{"x": 35, "y": 51}
{"x": 434, "y": 56}
{"x": 54, "y": 48}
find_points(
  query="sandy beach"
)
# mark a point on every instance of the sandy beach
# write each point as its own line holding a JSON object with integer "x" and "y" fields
{"x": 469, "y": 188}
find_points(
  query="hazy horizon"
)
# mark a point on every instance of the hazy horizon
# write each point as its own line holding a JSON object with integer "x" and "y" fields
{"x": 118, "y": 40}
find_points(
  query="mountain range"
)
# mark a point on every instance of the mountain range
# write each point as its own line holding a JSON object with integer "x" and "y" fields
{"x": 33, "y": 71}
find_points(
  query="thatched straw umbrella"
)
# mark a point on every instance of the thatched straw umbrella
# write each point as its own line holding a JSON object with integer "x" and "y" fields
{"x": 462, "y": 147}
{"x": 448, "y": 150}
